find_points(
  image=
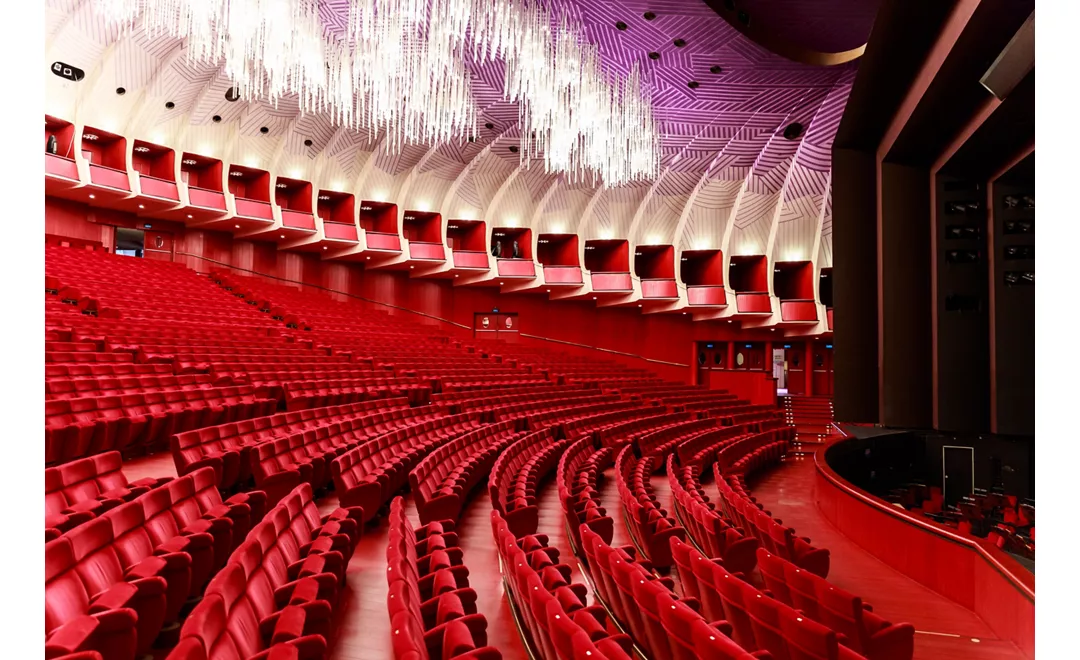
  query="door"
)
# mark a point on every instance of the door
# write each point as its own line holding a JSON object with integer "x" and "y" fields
{"x": 157, "y": 245}
{"x": 823, "y": 368}
{"x": 957, "y": 472}
{"x": 795, "y": 356}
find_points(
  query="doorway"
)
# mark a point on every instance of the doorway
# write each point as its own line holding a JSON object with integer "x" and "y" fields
{"x": 129, "y": 242}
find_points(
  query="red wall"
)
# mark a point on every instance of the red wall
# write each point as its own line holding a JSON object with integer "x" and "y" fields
{"x": 649, "y": 339}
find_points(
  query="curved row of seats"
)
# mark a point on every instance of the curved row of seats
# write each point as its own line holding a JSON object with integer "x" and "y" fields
{"x": 517, "y": 474}
{"x": 280, "y": 464}
{"x": 226, "y": 447}
{"x": 83, "y": 489}
{"x": 664, "y": 626}
{"x": 580, "y": 468}
{"x": 553, "y": 609}
{"x": 647, "y": 521}
{"x": 663, "y": 441}
{"x": 277, "y": 596}
{"x": 442, "y": 481}
{"x": 432, "y": 609}
{"x": 76, "y": 387}
{"x": 840, "y": 628}
{"x": 707, "y": 528}
{"x": 113, "y": 582}
{"x": 757, "y": 451}
{"x": 85, "y": 426}
{"x": 370, "y": 473}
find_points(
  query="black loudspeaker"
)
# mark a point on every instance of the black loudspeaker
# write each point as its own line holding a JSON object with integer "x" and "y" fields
{"x": 50, "y": 146}
{"x": 1015, "y": 62}
{"x": 496, "y": 250}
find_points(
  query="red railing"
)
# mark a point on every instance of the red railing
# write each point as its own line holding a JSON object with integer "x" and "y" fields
{"x": 297, "y": 220}
{"x": 562, "y": 275}
{"x": 798, "y": 310}
{"x": 380, "y": 241}
{"x": 250, "y": 208}
{"x": 518, "y": 268}
{"x": 207, "y": 199}
{"x": 340, "y": 231}
{"x": 470, "y": 259}
{"x": 611, "y": 282}
{"x": 659, "y": 289}
{"x": 61, "y": 167}
{"x": 107, "y": 176}
{"x": 753, "y": 303}
{"x": 713, "y": 294}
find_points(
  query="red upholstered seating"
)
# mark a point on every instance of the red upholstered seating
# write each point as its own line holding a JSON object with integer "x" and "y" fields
{"x": 646, "y": 520}
{"x": 516, "y": 474}
{"x": 227, "y": 447}
{"x": 432, "y": 609}
{"x": 77, "y": 491}
{"x": 553, "y": 608}
{"x": 660, "y": 623}
{"x": 369, "y": 474}
{"x": 758, "y": 621}
{"x": 442, "y": 481}
{"x": 846, "y": 614}
{"x": 579, "y": 468}
{"x": 275, "y": 598}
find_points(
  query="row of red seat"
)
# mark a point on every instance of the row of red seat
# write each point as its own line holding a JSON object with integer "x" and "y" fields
{"x": 370, "y": 473}
{"x": 442, "y": 481}
{"x": 318, "y": 393}
{"x": 759, "y": 622}
{"x": 91, "y": 425}
{"x": 113, "y": 582}
{"x": 779, "y": 539}
{"x": 648, "y": 420}
{"x": 516, "y": 475}
{"x": 554, "y": 610}
{"x": 278, "y": 594}
{"x": 432, "y": 609}
{"x": 562, "y": 415}
{"x": 88, "y": 370}
{"x": 580, "y": 468}
{"x": 79, "y": 491}
{"x": 647, "y": 521}
{"x": 226, "y": 447}
{"x": 664, "y": 626}
{"x": 662, "y": 442}
{"x": 706, "y": 527}
{"x": 73, "y": 388}
{"x": 854, "y": 621}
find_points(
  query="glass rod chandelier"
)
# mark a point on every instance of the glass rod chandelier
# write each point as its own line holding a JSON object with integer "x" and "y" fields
{"x": 404, "y": 68}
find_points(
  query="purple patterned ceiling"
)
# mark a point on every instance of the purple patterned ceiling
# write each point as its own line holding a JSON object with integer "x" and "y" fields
{"x": 828, "y": 26}
{"x": 729, "y": 177}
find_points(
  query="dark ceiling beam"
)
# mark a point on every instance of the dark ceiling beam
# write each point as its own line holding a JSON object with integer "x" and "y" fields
{"x": 904, "y": 33}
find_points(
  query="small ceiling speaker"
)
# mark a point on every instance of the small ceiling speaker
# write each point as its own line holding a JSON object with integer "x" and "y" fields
{"x": 793, "y": 130}
{"x": 1014, "y": 62}
{"x": 232, "y": 95}
{"x": 620, "y": 26}
{"x": 308, "y": 143}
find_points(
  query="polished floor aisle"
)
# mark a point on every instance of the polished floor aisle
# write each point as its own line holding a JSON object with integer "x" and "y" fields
{"x": 945, "y": 630}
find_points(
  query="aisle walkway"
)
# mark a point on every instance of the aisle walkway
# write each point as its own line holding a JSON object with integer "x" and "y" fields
{"x": 946, "y": 630}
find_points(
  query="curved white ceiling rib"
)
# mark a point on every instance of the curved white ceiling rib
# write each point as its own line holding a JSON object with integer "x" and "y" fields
{"x": 729, "y": 177}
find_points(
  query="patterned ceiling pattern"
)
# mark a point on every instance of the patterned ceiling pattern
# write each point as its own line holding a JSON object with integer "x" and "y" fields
{"x": 729, "y": 177}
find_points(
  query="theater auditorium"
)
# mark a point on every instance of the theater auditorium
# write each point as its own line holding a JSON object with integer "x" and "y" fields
{"x": 535, "y": 329}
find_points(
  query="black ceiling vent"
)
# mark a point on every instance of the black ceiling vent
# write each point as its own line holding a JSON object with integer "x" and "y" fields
{"x": 72, "y": 73}
{"x": 264, "y": 130}
{"x": 679, "y": 43}
{"x": 216, "y": 119}
{"x": 513, "y": 150}
{"x": 654, "y": 55}
{"x": 169, "y": 105}
{"x": 649, "y": 15}
{"x": 120, "y": 91}
{"x": 232, "y": 95}
{"x": 308, "y": 143}
{"x": 489, "y": 126}
{"x": 620, "y": 25}
{"x": 716, "y": 69}
{"x": 693, "y": 84}
{"x": 793, "y": 131}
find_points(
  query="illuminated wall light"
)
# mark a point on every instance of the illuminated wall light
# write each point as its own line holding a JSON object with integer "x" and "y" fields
{"x": 189, "y": 216}
{"x": 337, "y": 185}
{"x": 282, "y": 185}
{"x": 606, "y": 234}
{"x": 558, "y": 228}
{"x": 189, "y": 161}
{"x": 251, "y": 161}
{"x": 295, "y": 174}
{"x": 157, "y": 137}
{"x": 238, "y": 226}
{"x": 702, "y": 244}
{"x": 142, "y": 150}
{"x": 324, "y": 198}
{"x": 206, "y": 150}
{"x": 236, "y": 173}
{"x": 89, "y": 136}
{"x": 378, "y": 196}
{"x": 511, "y": 222}
{"x": 141, "y": 206}
{"x": 423, "y": 206}
{"x": 91, "y": 195}
{"x": 653, "y": 240}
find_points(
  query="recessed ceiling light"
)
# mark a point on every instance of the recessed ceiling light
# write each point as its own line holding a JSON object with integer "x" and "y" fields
{"x": 169, "y": 105}
{"x": 323, "y": 198}
{"x": 282, "y": 185}
{"x": 89, "y": 136}
{"x": 594, "y": 297}
{"x": 693, "y": 84}
{"x": 189, "y": 161}
{"x": 679, "y": 43}
{"x": 649, "y": 15}
{"x": 238, "y": 226}
{"x": 236, "y": 173}
{"x": 654, "y": 55}
{"x": 91, "y": 195}
{"x": 141, "y": 206}
{"x": 283, "y": 235}
{"x": 620, "y": 25}
{"x": 142, "y": 150}
{"x": 411, "y": 267}
{"x": 190, "y": 216}
{"x": 324, "y": 247}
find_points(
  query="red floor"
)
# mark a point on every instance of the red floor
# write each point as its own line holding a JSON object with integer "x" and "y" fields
{"x": 945, "y": 630}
